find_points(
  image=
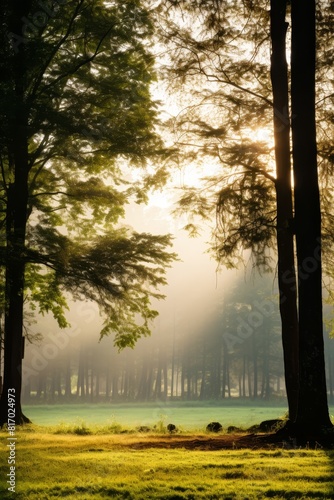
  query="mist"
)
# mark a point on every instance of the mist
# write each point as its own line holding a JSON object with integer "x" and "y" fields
{"x": 217, "y": 336}
{"x": 74, "y": 363}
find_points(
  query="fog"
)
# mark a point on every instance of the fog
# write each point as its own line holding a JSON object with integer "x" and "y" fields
{"x": 193, "y": 294}
{"x": 206, "y": 343}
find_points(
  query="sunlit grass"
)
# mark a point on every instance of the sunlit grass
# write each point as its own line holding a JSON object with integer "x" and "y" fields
{"x": 189, "y": 415}
{"x": 85, "y": 463}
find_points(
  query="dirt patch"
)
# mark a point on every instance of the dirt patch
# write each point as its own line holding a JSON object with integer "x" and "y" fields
{"x": 221, "y": 442}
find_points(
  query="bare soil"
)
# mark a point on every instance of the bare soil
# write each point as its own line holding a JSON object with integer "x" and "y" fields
{"x": 236, "y": 441}
{"x": 219, "y": 442}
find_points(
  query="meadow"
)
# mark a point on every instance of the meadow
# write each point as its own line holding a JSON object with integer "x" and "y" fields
{"x": 187, "y": 416}
{"x": 75, "y": 459}
{"x": 51, "y": 465}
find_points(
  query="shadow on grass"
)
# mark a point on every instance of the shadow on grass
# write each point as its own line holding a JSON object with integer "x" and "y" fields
{"x": 330, "y": 456}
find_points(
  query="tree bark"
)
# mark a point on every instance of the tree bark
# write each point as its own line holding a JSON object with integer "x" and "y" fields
{"x": 16, "y": 220}
{"x": 285, "y": 245}
{"x": 312, "y": 412}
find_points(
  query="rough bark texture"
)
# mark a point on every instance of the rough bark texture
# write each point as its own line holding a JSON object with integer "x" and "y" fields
{"x": 16, "y": 219}
{"x": 312, "y": 413}
{"x": 285, "y": 246}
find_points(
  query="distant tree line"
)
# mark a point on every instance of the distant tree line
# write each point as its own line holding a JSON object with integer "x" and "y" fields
{"x": 201, "y": 368}
{"x": 237, "y": 353}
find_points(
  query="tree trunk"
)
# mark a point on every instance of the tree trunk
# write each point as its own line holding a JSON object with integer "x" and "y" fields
{"x": 328, "y": 350}
{"x": 173, "y": 365}
{"x": 97, "y": 384}
{"x": 225, "y": 383}
{"x": 285, "y": 247}
{"x": 217, "y": 355}
{"x": 255, "y": 366}
{"x": 16, "y": 220}
{"x": 249, "y": 378}
{"x": 158, "y": 381}
{"x": 108, "y": 377}
{"x": 312, "y": 412}
{"x": 244, "y": 376}
{"x": 165, "y": 379}
{"x": 265, "y": 389}
{"x": 81, "y": 374}
{"x": 68, "y": 373}
{"x": 114, "y": 393}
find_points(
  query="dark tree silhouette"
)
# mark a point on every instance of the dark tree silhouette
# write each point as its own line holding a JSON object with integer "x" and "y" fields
{"x": 312, "y": 412}
{"x": 285, "y": 238}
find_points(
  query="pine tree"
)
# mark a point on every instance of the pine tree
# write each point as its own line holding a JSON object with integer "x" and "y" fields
{"x": 221, "y": 58}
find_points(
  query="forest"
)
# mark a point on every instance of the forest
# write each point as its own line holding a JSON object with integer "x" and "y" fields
{"x": 200, "y": 369}
{"x": 235, "y": 354}
{"x": 226, "y": 110}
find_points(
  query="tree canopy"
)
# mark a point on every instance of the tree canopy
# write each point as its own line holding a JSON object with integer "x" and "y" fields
{"x": 85, "y": 95}
{"x": 76, "y": 113}
{"x": 219, "y": 66}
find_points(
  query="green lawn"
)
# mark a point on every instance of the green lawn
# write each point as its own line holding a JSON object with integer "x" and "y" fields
{"x": 52, "y": 465}
{"x": 191, "y": 416}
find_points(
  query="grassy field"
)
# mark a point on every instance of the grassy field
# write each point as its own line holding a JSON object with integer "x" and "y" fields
{"x": 191, "y": 416}
{"x": 80, "y": 462}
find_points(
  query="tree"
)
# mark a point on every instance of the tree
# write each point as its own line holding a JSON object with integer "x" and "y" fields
{"x": 312, "y": 413}
{"x": 234, "y": 98}
{"x": 253, "y": 200}
{"x": 284, "y": 201}
{"x": 76, "y": 111}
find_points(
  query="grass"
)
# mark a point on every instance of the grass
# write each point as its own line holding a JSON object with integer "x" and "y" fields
{"x": 80, "y": 461}
{"x": 194, "y": 415}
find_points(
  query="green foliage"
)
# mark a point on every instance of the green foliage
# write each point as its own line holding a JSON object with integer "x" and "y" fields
{"x": 246, "y": 219}
{"x": 88, "y": 118}
{"x": 120, "y": 272}
{"x": 44, "y": 293}
{"x": 219, "y": 71}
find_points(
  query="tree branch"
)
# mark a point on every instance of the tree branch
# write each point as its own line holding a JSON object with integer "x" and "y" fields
{"x": 55, "y": 50}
